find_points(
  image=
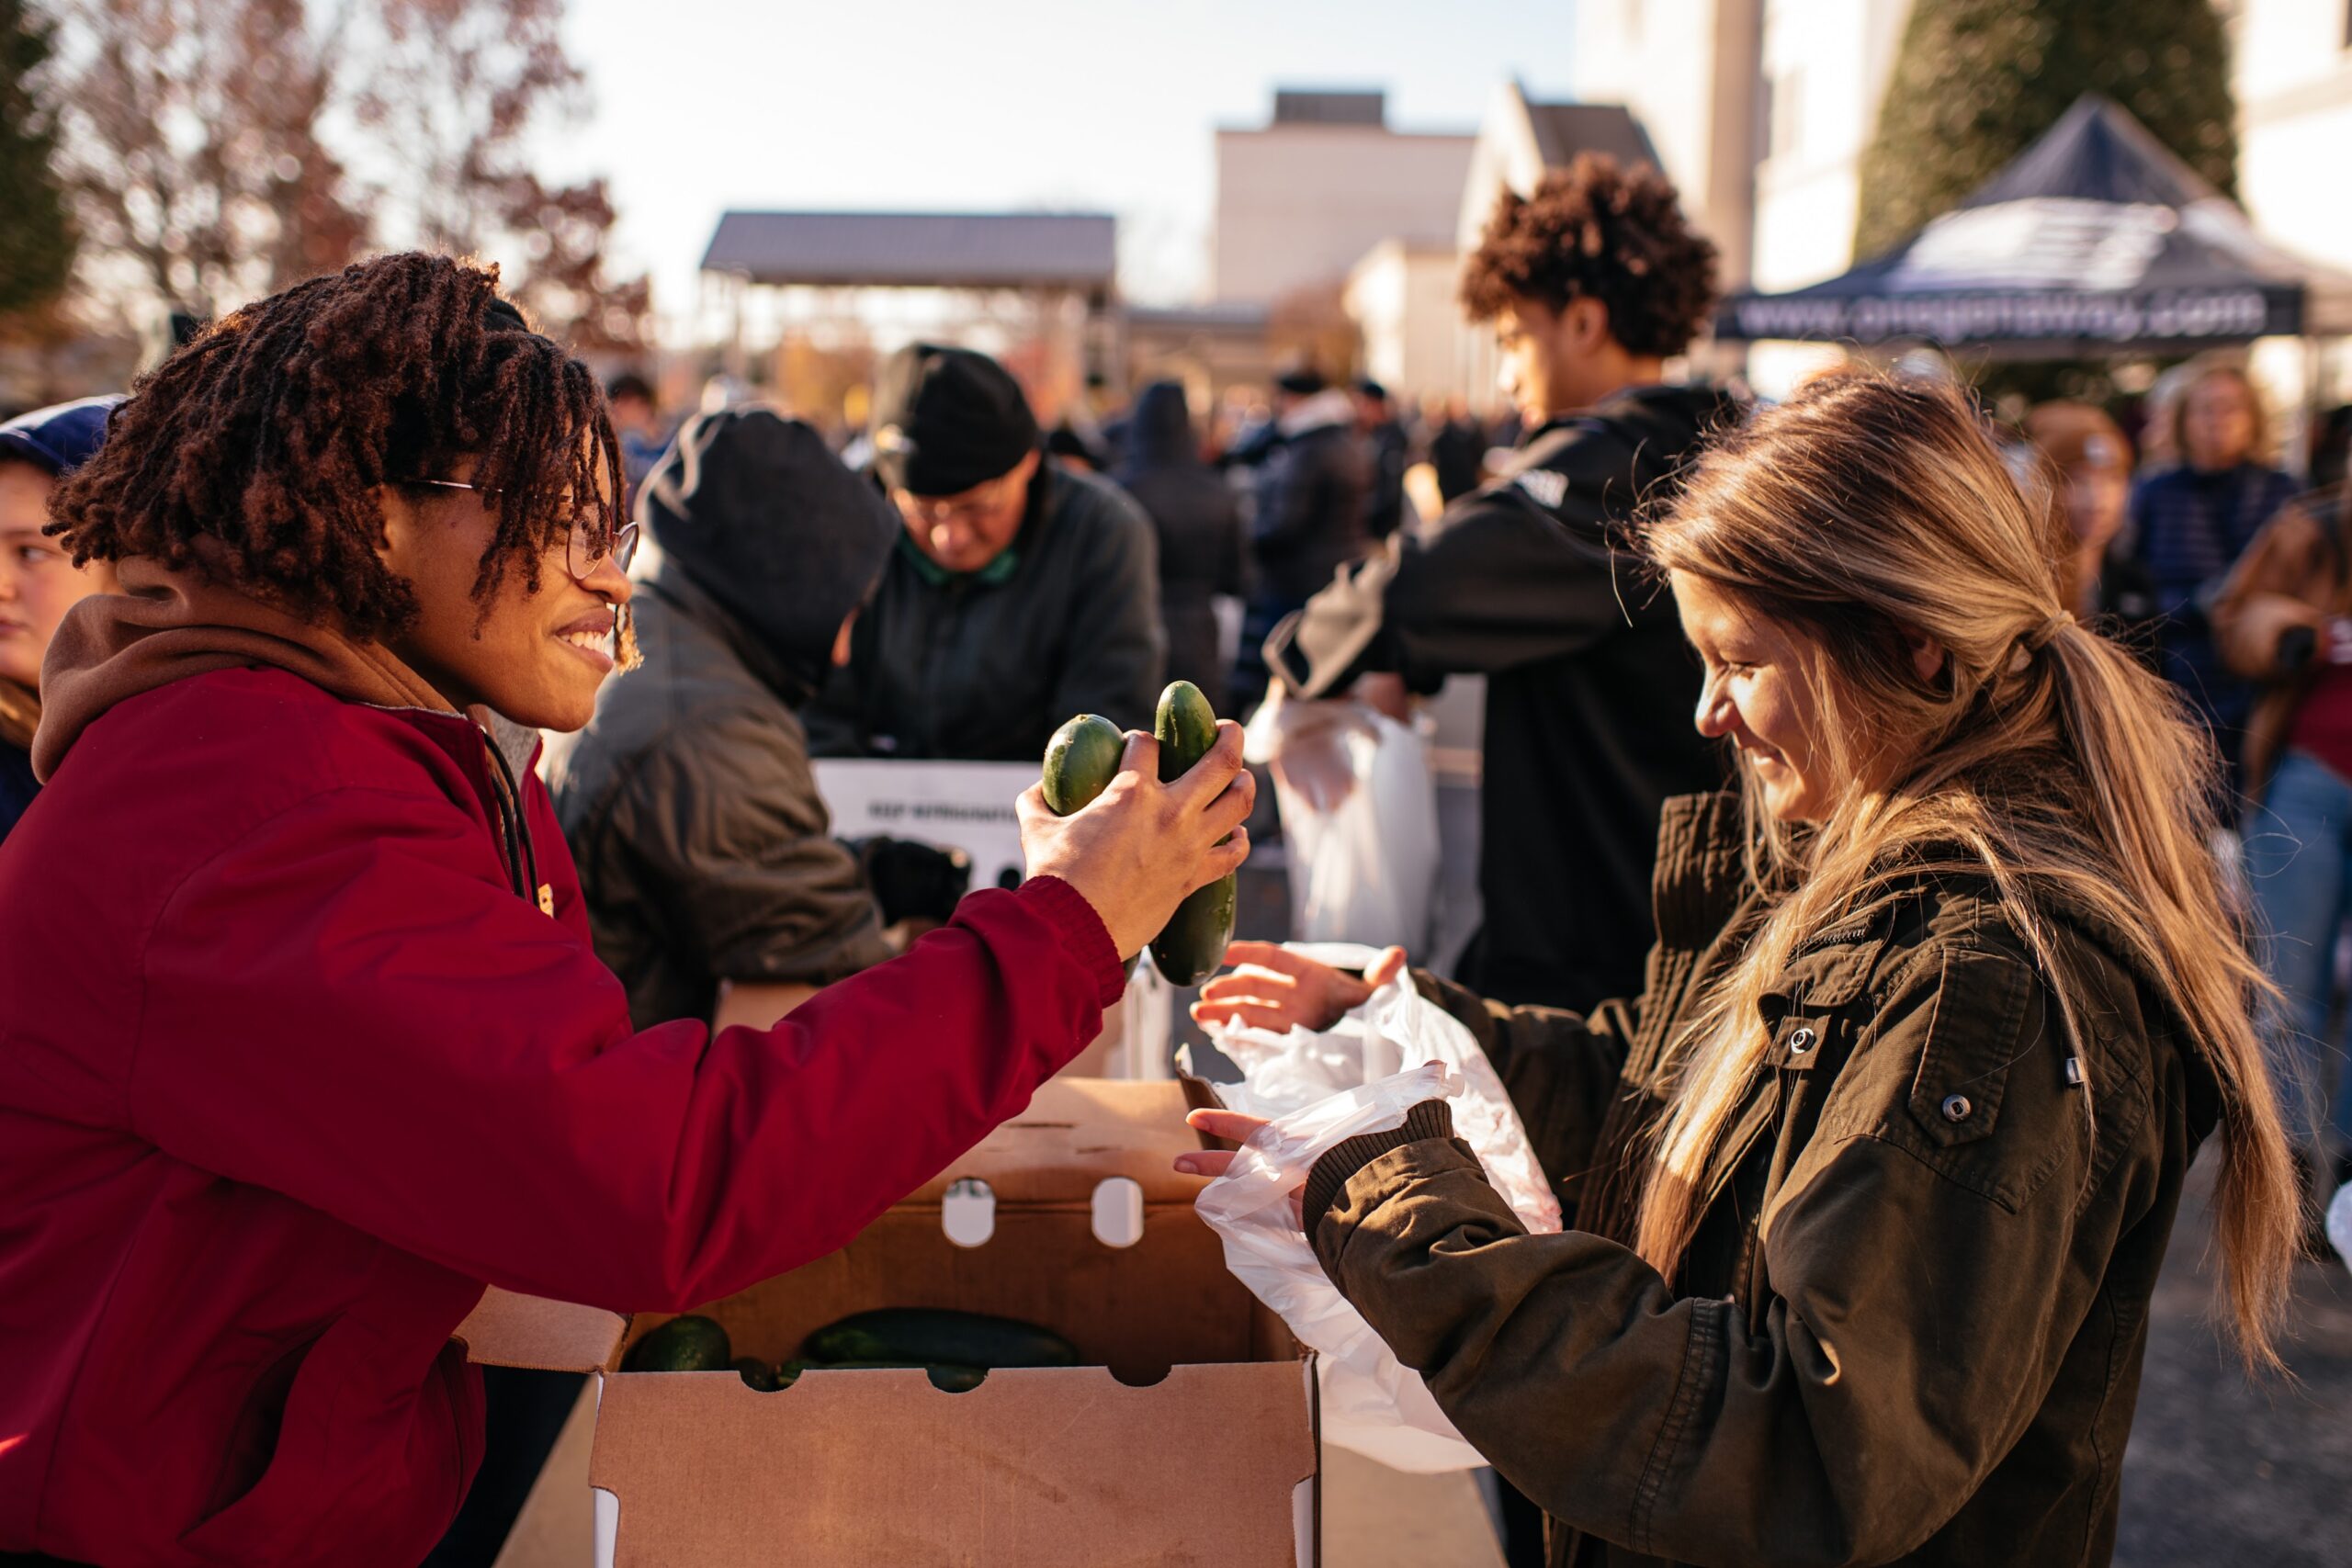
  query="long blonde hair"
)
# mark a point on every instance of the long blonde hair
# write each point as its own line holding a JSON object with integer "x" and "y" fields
{"x": 1866, "y": 510}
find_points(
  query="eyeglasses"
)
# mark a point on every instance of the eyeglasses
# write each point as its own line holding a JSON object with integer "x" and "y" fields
{"x": 976, "y": 508}
{"x": 582, "y": 553}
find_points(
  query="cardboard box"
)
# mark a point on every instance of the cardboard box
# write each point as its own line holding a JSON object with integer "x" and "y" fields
{"x": 1192, "y": 1437}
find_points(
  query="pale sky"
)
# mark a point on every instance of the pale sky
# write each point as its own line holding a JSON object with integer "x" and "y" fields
{"x": 699, "y": 107}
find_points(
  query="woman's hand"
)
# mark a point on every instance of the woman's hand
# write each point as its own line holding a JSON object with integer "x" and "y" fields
{"x": 1278, "y": 990}
{"x": 1231, "y": 1125}
{"x": 1140, "y": 846}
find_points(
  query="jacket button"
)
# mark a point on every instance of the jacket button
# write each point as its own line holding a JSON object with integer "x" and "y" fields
{"x": 1801, "y": 1042}
{"x": 1956, "y": 1108}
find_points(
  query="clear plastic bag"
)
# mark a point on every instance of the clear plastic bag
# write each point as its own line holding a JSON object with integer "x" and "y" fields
{"x": 1359, "y": 812}
{"x": 1394, "y": 1029}
{"x": 1370, "y": 1403}
{"x": 1360, "y": 1075}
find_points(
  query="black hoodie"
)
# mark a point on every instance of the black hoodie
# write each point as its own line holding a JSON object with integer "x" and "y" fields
{"x": 704, "y": 850}
{"x": 1590, "y": 687}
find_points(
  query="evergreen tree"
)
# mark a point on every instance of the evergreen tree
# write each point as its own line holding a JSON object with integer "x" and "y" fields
{"x": 1976, "y": 81}
{"x": 36, "y": 241}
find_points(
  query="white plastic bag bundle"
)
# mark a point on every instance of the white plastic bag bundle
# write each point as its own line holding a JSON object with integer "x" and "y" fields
{"x": 1396, "y": 1029}
{"x": 1360, "y": 1076}
{"x": 1359, "y": 812}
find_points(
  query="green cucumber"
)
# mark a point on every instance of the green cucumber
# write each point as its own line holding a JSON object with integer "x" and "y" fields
{"x": 688, "y": 1343}
{"x": 1081, "y": 761}
{"x": 945, "y": 1376}
{"x": 757, "y": 1374}
{"x": 933, "y": 1336}
{"x": 1190, "y": 946}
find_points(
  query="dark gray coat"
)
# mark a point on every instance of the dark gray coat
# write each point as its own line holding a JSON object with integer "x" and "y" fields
{"x": 986, "y": 666}
{"x": 704, "y": 852}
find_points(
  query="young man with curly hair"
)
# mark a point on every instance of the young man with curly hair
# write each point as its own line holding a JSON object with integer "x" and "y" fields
{"x": 1591, "y": 284}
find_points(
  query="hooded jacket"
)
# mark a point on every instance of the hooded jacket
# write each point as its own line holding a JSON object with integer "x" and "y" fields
{"x": 1910, "y": 1326}
{"x": 305, "y": 1044}
{"x": 1531, "y": 581}
{"x": 56, "y": 440}
{"x": 705, "y": 850}
{"x": 1198, "y": 519}
{"x": 1311, "y": 503}
{"x": 985, "y": 666}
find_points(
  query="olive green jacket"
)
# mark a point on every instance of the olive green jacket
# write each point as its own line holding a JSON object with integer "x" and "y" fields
{"x": 1910, "y": 1328}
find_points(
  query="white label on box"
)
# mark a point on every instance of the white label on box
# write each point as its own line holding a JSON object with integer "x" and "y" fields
{"x": 962, "y": 805}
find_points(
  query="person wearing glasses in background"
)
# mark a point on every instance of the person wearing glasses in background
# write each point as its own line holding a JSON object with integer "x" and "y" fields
{"x": 1021, "y": 592}
{"x": 307, "y": 1043}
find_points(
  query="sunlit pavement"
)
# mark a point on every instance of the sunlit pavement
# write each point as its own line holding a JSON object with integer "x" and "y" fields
{"x": 2222, "y": 1472}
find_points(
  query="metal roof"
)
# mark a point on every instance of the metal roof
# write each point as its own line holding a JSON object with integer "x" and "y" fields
{"x": 1563, "y": 131}
{"x": 942, "y": 250}
{"x": 1295, "y": 106}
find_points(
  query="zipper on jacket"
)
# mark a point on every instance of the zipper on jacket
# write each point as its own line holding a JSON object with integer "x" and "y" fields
{"x": 514, "y": 830}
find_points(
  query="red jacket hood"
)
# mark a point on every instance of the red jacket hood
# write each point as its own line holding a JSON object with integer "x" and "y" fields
{"x": 165, "y": 626}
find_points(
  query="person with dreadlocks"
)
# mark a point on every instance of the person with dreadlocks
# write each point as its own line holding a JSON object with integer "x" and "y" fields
{"x": 329, "y": 1051}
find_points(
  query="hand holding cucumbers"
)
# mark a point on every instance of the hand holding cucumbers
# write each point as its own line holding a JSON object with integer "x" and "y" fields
{"x": 1133, "y": 846}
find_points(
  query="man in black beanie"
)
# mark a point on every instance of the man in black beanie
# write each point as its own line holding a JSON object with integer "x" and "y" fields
{"x": 1018, "y": 593}
{"x": 715, "y": 888}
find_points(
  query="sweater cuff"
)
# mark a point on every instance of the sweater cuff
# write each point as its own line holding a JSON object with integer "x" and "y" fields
{"x": 1084, "y": 936}
{"x": 1430, "y": 1119}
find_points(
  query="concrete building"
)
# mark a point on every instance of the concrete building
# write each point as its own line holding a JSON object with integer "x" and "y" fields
{"x": 2293, "y": 75}
{"x": 1688, "y": 69}
{"x": 1401, "y": 298}
{"x": 1301, "y": 199}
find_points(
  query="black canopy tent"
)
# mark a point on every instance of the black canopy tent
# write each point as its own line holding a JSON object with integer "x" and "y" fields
{"x": 2096, "y": 239}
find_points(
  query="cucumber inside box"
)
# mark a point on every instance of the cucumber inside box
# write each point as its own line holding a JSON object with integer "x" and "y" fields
{"x": 1189, "y": 1436}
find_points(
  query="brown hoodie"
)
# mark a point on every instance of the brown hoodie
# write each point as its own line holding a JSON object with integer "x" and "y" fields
{"x": 165, "y": 626}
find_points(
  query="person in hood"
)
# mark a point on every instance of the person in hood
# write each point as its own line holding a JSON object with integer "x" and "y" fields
{"x": 1591, "y": 284}
{"x": 1198, "y": 519}
{"x": 715, "y": 887}
{"x": 1020, "y": 592}
{"x": 1312, "y": 495}
{"x": 331, "y": 1050}
{"x": 1865, "y": 1193}
{"x": 38, "y": 582}
{"x": 1390, "y": 450}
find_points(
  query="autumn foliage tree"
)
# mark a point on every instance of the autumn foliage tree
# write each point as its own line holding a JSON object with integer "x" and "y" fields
{"x": 217, "y": 150}
{"x": 1976, "y": 81}
{"x": 36, "y": 240}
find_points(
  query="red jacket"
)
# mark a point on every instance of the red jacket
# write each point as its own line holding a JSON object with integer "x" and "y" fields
{"x": 292, "y": 1064}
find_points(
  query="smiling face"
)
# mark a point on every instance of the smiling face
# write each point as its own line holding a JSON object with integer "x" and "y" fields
{"x": 38, "y": 579}
{"x": 1761, "y": 692}
{"x": 535, "y": 658}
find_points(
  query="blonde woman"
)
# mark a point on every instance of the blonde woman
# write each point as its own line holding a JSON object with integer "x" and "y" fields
{"x": 1868, "y": 1191}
